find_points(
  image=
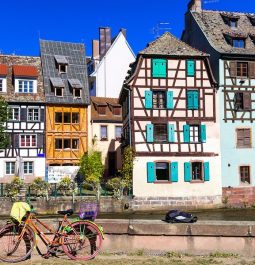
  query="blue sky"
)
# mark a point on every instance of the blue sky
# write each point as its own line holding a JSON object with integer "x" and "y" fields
{"x": 23, "y": 22}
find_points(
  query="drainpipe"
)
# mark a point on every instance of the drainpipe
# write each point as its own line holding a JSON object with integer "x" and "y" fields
{"x": 129, "y": 115}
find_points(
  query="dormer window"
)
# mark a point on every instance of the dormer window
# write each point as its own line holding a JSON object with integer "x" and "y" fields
{"x": 230, "y": 19}
{"x": 238, "y": 43}
{"x": 233, "y": 23}
{"x": 58, "y": 86}
{"x": 59, "y": 91}
{"x": 61, "y": 62}
{"x": 116, "y": 111}
{"x": 252, "y": 19}
{"x": 101, "y": 110}
{"x": 77, "y": 93}
{"x": 76, "y": 87}
{"x": 3, "y": 74}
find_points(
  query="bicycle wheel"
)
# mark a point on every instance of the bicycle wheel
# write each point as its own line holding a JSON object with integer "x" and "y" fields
{"x": 14, "y": 247}
{"x": 83, "y": 241}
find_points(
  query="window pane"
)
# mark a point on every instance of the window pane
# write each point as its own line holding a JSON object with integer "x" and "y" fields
{"x": 75, "y": 117}
{"x": 103, "y": 132}
{"x": 245, "y": 174}
{"x": 67, "y": 143}
{"x": 1, "y": 85}
{"x": 160, "y": 132}
{"x": 162, "y": 171}
{"x": 159, "y": 99}
{"x": 58, "y": 143}
{"x": 67, "y": 117}
{"x": 118, "y": 131}
{"x": 75, "y": 143}
{"x": 197, "y": 171}
{"x": 58, "y": 117}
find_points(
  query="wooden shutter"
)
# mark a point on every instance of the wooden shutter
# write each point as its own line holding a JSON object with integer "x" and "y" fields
{"x": 148, "y": 99}
{"x": 233, "y": 69}
{"x": 159, "y": 68}
{"x": 150, "y": 172}
{"x": 171, "y": 136}
{"x": 23, "y": 114}
{"x": 190, "y": 67}
{"x": 15, "y": 138}
{"x": 246, "y": 100}
{"x": 40, "y": 141}
{"x": 195, "y": 100}
{"x": 251, "y": 69}
{"x": 186, "y": 134}
{"x": 203, "y": 133}
{"x": 149, "y": 133}
{"x": 169, "y": 100}
{"x": 42, "y": 113}
{"x": 174, "y": 172}
{"x": 206, "y": 171}
{"x": 187, "y": 172}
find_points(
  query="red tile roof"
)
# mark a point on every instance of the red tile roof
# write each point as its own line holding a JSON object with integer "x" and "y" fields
{"x": 24, "y": 70}
{"x": 3, "y": 69}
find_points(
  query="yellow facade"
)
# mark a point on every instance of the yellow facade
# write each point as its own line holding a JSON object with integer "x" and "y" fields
{"x": 66, "y": 141}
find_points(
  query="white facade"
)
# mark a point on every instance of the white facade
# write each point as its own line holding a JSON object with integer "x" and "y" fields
{"x": 111, "y": 71}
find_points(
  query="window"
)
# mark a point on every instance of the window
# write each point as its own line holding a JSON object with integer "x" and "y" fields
{"x": 1, "y": 85}
{"x": 162, "y": 171}
{"x": 77, "y": 93}
{"x": 26, "y": 86}
{"x": 159, "y": 99}
{"x": 196, "y": 171}
{"x": 67, "y": 117}
{"x": 33, "y": 114}
{"x": 238, "y": 43}
{"x": 159, "y": 68}
{"x": 9, "y": 168}
{"x": 117, "y": 111}
{"x": 192, "y": 99}
{"x": 27, "y": 140}
{"x": 103, "y": 132}
{"x": 75, "y": 117}
{"x": 242, "y": 69}
{"x": 28, "y": 168}
{"x": 160, "y": 132}
{"x": 242, "y": 101}
{"x": 101, "y": 110}
{"x": 194, "y": 133}
{"x": 118, "y": 131}
{"x": 67, "y": 143}
{"x": 58, "y": 143}
{"x": 243, "y": 138}
{"x": 58, "y": 91}
{"x": 14, "y": 113}
{"x": 58, "y": 117}
{"x": 75, "y": 143}
{"x": 233, "y": 23}
{"x": 245, "y": 175}
{"x": 62, "y": 68}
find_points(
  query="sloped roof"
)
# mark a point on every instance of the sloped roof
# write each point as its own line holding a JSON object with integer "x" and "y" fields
{"x": 107, "y": 102}
{"x": 167, "y": 44}
{"x": 25, "y": 71}
{"x": 215, "y": 30}
{"x": 3, "y": 69}
{"x": 74, "y": 54}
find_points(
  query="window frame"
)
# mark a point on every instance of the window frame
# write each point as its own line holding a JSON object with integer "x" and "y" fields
{"x": 101, "y": 108}
{"x": 30, "y": 140}
{"x": 115, "y": 130}
{"x": 238, "y": 41}
{"x": 12, "y": 108}
{"x": 60, "y": 70}
{"x": 12, "y": 168}
{"x": 103, "y": 138}
{"x": 33, "y": 115}
{"x": 243, "y": 146}
{"x": 57, "y": 89}
{"x": 21, "y": 89}
{"x": 3, "y": 87}
{"x": 240, "y": 175}
{"x": 28, "y": 168}
{"x": 193, "y": 131}
{"x": 202, "y": 179}
{"x": 160, "y": 134}
{"x": 240, "y": 69}
{"x": 168, "y": 171}
{"x": 74, "y": 92}
{"x": 158, "y": 92}
{"x": 78, "y": 117}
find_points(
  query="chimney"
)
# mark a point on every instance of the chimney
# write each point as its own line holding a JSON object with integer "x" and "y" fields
{"x": 124, "y": 32}
{"x": 95, "y": 49}
{"x": 104, "y": 40}
{"x": 195, "y": 5}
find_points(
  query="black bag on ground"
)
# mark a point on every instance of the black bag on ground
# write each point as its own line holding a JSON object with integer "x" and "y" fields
{"x": 176, "y": 216}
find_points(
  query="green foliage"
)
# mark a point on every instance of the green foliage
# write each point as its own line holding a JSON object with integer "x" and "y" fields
{"x": 223, "y": 255}
{"x": 40, "y": 186}
{"x": 117, "y": 185}
{"x": 4, "y": 138}
{"x": 92, "y": 168}
{"x": 67, "y": 186}
{"x": 12, "y": 189}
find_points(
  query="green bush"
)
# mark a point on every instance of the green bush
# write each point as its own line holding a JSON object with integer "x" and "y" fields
{"x": 41, "y": 187}
{"x": 66, "y": 186}
{"x": 13, "y": 189}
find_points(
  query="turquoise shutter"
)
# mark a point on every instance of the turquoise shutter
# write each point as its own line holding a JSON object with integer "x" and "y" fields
{"x": 150, "y": 172}
{"x": 187, "y": 172}
{"x": 169, "y": 100}
{"x": 202, "y": 133}
{"x": 195, "y": 100}
{"x": 206, "y": 171}
{"x": 174, "y": 172}
{"x": 148, "y": 99}
{"x": 190, "y": 100}
{"x": 149, "y": 133}
{"x": 186, "y": 134}
{"x": 158, "y": 68}
{"x": 171, "y": 136}
{"x": 190, "y": 64}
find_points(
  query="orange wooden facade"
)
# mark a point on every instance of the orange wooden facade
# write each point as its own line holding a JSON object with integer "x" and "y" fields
{"x": 56, "y": 130}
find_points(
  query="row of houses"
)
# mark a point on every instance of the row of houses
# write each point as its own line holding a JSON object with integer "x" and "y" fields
{"x": 185, "y": 106}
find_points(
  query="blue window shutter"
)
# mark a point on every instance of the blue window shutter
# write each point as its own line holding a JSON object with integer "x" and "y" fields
{"x": 190, "y": 64}
{"x": 150, "y": 172}
{"x": 174, "y": 172}
{"x": 195, "y": 100}
{"x": 149, "y": 133}
{"x": 171, "y": 136}
{"x": 190, "y": 104}
{"x": 158, "y": 68}
{"x": 187, "y": 172}
{"x": 148, "y": 99}
{"x": 206, "y": 171}
{"x": 169, "y": 100}
{"x": 203, "y": 133}
{"x": 186, "y": 134}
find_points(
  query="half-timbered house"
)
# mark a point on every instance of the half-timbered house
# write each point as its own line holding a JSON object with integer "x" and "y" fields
{"x": 21, "y": 85}
{"x": 170, "y": 119}
{"x": 229, "y": 38}
{"x": 67, "y": 98}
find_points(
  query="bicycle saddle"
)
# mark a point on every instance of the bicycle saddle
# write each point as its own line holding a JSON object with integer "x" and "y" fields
{"x": 68, "y": 212}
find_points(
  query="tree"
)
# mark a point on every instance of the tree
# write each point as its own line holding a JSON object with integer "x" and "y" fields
{"x": 92, "y": 169}
{"x": 4, "y": 138}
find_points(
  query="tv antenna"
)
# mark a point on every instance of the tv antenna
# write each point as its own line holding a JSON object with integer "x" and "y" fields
{"x": 160, "y": 26}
